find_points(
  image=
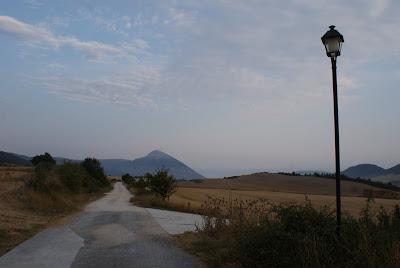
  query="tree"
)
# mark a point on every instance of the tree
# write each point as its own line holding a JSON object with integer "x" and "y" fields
{"x": 162, "y": 184}
{"x": 45, "y": 158}
{"x": 128, "y": 179}
{"x": 95, "y": 170}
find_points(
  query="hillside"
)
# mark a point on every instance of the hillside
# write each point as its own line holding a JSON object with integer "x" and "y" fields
{"x": 149, "y": 163}
{"x": 364, "y": 171}
{"x": 393, "y": 171}
{"x": 10, "y": 158}
{"x": 375, "y": 173}
{"x": 282, "y": 183}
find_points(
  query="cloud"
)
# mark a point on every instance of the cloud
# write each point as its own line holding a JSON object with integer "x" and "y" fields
{"x": 180, "y": 17}
{"x": 117, "y": 26}
{"x": 249, "y": 52}
{"x": 55, "y": 66}
{"x": 36, "y": 35}
{"x": 136, "y": 88}
{"x": 34, "y": 4}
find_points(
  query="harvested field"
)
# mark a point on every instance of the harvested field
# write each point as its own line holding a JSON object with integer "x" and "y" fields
{"x": 278, "y": 188}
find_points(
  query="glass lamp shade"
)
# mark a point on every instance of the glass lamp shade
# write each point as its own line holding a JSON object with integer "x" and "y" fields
{"x": 333, "y": 45}
{"x": 332, "y": 41}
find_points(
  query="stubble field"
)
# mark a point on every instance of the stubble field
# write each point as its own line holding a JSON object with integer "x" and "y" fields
{"x": 278, "y": 188}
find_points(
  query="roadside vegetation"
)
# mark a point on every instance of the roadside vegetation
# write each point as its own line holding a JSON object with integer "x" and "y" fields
{"x": 154, "y": 190}
{"x": 40, "y": 195}
{"x": 258, "y": 233}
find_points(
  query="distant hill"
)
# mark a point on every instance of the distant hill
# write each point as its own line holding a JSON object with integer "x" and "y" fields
{"x": 393, "y": 171}
{"x": 364, "y": 171}
{"x": 149, "y": 163}
{"x": 375, "y": 173}
{"x": 19, "y": 159}
{"x": 116, "y": 167}
{"x": 14, "y": 159}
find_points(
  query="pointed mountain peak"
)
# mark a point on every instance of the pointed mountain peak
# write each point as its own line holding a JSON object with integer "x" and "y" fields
{"x": 157, "y": 154}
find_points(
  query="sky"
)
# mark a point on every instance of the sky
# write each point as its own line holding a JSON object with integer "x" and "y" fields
{"x": 226, "y": 86}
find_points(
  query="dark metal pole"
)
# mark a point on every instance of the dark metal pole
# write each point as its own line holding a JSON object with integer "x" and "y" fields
{"x": 337, "y": 152}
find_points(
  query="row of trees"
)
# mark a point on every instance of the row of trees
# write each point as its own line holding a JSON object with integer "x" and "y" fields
{"x": 86, "y": 176}
{"x": 160, "y": 183}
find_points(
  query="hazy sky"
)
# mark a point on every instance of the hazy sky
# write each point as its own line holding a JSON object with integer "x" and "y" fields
{"x": 223, "y": 85}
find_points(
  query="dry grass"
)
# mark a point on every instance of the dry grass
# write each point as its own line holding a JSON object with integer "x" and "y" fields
{"x": 258, "y": 233}
{"x": 279, "y": 188}
{"x": 282, "y": 183}
{"x": 24, "y": 212}
{"x": 196, "y": 197}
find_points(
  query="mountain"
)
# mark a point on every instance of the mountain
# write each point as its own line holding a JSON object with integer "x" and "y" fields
{"x": 375, "y": 173}
{"x": 10, "y": 158}
{"x": 150, "y": 163}
{"x": 364, "y": 171}
{"x": 393, "y": 171}
{"x": 140, "y": 166}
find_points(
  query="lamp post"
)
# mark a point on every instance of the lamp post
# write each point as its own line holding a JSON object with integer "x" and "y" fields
{"x": 332, "y": 41}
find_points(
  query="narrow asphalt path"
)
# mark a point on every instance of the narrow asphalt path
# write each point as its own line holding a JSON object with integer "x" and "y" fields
{"x": 111, "y": 232}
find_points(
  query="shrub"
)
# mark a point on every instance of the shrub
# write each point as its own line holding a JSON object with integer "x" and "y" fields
{"x": 73, "y": 176}
{"x": 96, "y": 171}
{"x": 128, "y": 179}
{"x": 44, "y": 159}
{"x": 44, "y": 179}
{"x": 162, "y": 184}
{"x": 262, "y": 234}
{"x": 141, "y": 183}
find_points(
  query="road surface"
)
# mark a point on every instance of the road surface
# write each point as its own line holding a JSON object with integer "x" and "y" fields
{"x": 111, "y": 232}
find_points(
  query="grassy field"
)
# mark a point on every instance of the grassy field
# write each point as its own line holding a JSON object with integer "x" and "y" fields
{"x": 278, "y": 188}
{"x": 24, "y": 212}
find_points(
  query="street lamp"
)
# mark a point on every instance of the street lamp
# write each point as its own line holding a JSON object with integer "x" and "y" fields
{"x": 332, "y": 41}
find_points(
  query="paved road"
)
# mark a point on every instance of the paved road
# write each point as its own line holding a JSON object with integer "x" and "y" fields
{"x": 109, "y": 233}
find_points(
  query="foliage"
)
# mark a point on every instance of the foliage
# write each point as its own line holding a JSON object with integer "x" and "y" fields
{"x": 257, "y": 233}
{"x": 44, "y": 159}
{"x": 87, "y": 177}
{"x": 128, "y": 179}
{"x": 76, "y": 179}
{"x": 162, "y": 184}
{"x": 96, "y": 171}
{"x": 44, "y": 178}
{"x": 142, "y": 183}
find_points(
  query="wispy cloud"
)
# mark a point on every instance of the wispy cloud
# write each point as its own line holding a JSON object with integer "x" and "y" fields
{"x": 136, "y": 88}
{"x": 34, "y": 4}
{"x": 180, "y": 17}
{"x": 37, "y": 35}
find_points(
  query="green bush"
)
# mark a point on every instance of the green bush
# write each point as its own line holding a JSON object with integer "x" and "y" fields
{"x": 73, "y": 176}
{"x": 44, "y": 179}
{"x": 262, "y": 234}
{"x": 87, "y": 177}
{"x": 141, "y": 183}
{"x": 96, "y": 171}
{"x": 128, "y": 179}
{"x": 162, "y": 184}
{"x": 44, "y": 159}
